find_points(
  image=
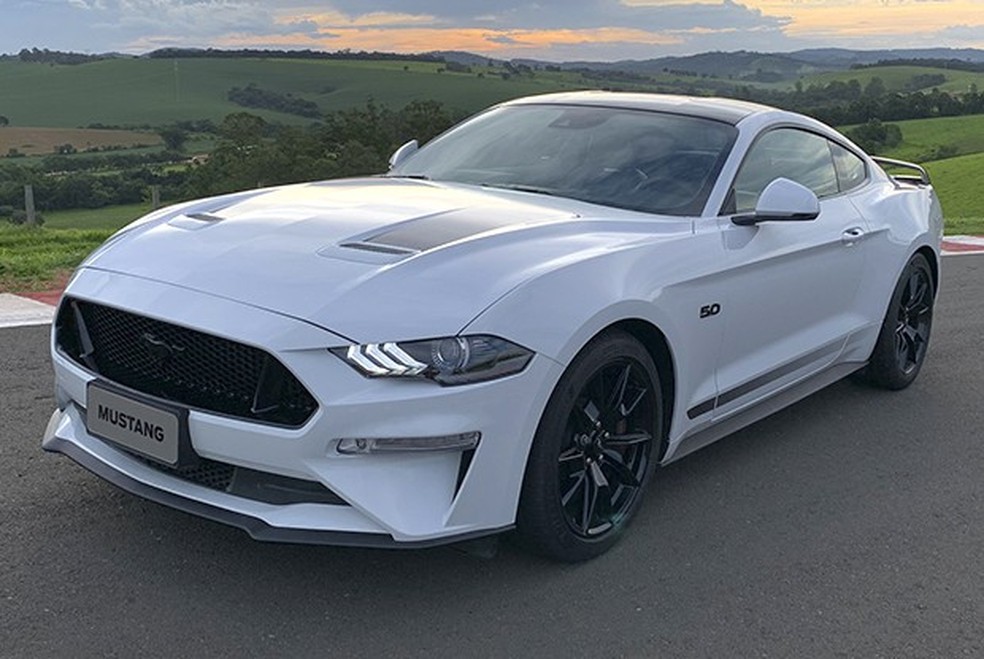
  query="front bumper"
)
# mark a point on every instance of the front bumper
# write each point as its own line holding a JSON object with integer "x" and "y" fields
{"x": 387, "y": 499}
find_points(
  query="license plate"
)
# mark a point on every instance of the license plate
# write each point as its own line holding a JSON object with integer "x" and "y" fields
{"x": 150, "y": 430}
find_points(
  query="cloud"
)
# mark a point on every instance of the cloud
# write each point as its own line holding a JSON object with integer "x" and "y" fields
{"x": 547, "y": 29}
{"x": 564, "y": 14}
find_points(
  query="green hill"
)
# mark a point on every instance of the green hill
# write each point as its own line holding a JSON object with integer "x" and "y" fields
{"x": 957, "y": 182}
{"x": 904, "y": 78}
{"x": 935, "y": 139}
{"x": 155, "y": 91}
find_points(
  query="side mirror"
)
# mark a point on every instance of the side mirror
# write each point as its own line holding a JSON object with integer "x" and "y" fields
{"x": 403, "y": 153}
{"x": 782, "y": 201}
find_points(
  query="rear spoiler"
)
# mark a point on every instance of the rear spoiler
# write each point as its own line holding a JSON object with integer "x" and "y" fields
{"x": 921, "y": 178}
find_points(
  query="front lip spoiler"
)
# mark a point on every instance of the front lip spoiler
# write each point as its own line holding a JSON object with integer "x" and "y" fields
{"x": 256, "y": 528}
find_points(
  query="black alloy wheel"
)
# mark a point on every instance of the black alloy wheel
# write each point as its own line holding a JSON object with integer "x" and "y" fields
{"x": 608, "y": 442}
{"x": 594, "y": 451}
{"x": 915, "y": 312}
{"x": 904, "y": 337}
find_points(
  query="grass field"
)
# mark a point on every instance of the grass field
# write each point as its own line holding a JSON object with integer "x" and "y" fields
{"x": 34, "y": 258}
{"x": 897, "y": 78}
{"x": 43, "y": 141}
{"x": 31, "y": 259}
{"x": 110, "y": 218}
{"x": 958, "y": 184}
{"x": 921, "y": 138}
{"x": 155, "y": 91}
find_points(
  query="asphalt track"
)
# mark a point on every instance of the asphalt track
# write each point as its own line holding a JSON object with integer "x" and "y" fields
{"x": 851, "y": 524}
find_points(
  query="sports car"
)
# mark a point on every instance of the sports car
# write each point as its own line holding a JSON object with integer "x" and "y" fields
{"x": 512, "y": 329}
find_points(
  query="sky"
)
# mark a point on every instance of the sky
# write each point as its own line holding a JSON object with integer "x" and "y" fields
{"x": 554, "y": 30}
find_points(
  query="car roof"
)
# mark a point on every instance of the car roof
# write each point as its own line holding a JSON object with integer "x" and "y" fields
{"x": 719, "y": 109}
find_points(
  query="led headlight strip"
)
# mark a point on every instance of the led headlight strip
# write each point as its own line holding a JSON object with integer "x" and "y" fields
{"x": 448, "y": 360}
{"x": 384, "y": 359}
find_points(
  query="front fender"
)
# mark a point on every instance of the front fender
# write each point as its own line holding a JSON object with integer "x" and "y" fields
{"x": 558, "y": 313}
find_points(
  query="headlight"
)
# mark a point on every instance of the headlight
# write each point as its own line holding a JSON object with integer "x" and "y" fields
{"x": 448, "y": 361}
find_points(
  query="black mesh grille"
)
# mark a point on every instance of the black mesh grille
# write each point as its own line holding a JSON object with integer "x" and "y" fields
{"x": 181, "y": 365}
{"x": 208, "y": 473}
{"x": 249, "y": 483}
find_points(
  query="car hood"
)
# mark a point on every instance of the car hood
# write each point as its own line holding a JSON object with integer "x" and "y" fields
{"x": 365, "y": 258}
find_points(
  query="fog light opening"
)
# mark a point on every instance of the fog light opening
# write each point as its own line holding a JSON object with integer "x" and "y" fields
{"x": 364, "y": 445}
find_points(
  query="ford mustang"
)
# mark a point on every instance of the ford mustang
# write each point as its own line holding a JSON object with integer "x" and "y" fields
{"x": 512, "y": 329}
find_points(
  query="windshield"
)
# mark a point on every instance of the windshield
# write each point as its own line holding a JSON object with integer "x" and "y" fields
{"x": 635, "y": 159}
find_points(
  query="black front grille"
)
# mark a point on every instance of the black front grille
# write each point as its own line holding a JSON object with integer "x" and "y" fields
{"x": 182, "y": 365}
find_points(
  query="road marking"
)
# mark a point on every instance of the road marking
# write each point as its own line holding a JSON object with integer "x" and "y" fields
{"x": 16, "y": 311}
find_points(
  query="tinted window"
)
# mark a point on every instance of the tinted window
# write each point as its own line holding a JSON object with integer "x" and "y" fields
{"x": 851, "y": 171}
{"x": 648, "y": 161}
{"x": 794, "y": 154}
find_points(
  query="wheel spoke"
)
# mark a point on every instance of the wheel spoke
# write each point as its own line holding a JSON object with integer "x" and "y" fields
{"x": 912, "y": 336}
{"x": 627, "y": 410}
{"x": 590, "y": 416}
{"x": 590, "y": 500}
{"x": 618, "y": 402}
{"x": 912, "y": 288}
{"x": 901, "y": 350}
{"x": 911, "y": 346}
{"x": 617, "y": 399}
{"x": 918, "y": 297}
{"x": 581, "y": 479}
{"x": 628, "y": 439}
{"x": 597, "y": 475}
{"x": 621, "y": 472}
{"x": 573, "y": 453}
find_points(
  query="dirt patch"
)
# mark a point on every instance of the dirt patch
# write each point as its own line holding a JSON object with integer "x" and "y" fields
{"x": 49, "y": 291}
{"x": 44, "y": 141}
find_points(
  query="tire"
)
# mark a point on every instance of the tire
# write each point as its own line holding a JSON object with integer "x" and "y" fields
{"x": 594, "y": 452}
{"x": 904, "y": 337}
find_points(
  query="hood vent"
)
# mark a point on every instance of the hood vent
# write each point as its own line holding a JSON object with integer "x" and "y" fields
{"x": 194, "y": 221}
{"x": 379, "y": 249}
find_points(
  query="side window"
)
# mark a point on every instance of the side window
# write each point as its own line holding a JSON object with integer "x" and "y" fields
{"x": 786, "y": 152}
{"x": 851, "y": 171}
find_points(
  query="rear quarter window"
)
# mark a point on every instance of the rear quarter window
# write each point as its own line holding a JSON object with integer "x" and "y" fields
{"x": 851, "y": 170}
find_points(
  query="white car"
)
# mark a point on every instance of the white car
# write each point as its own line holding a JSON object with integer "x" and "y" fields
{"x": 510, "y": 330}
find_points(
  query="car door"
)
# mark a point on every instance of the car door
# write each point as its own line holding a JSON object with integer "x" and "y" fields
{"x": 791, "y": 301}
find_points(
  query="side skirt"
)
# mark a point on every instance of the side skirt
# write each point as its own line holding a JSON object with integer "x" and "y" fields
{"x": 783, "y": 399}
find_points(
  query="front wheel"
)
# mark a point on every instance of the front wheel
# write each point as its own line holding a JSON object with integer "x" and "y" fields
{"x": 904, "y": 337}
{"x": 594, "y": 451}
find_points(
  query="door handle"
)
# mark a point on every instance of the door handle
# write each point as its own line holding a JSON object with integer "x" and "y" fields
{"x": 852, "y": 235}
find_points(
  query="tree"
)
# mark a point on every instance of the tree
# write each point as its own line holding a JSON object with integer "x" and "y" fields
{"x": 4, "y": 121}
{"x": 174, "y": 137}
{"x": 875, "y": 137}
{"x": 243, "y": 129}
{"x": 875, "y": 88}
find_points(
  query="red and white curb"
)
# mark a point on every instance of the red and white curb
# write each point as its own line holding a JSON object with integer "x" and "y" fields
{"x": 953, "y": 245}
{"x": 39, "y": 308}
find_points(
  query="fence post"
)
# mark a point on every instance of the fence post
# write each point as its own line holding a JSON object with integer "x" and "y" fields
{"x": 29, "y": 205}
{"x": 155, "y": 197}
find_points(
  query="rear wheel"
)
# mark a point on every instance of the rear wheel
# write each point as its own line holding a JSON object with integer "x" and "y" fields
{"x": 904, "y": 336}
{"x": 594, "y": 451}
